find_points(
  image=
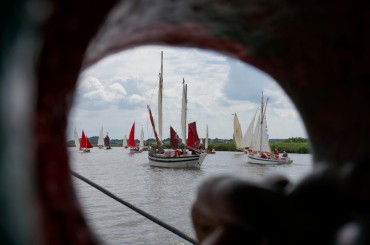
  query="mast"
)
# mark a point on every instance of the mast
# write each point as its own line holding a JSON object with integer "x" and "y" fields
{"x": 160, "y": 100}
{"x": 261, "y": 128}
{"x": 206, "y": 140}
{"x": 184, "y": 110}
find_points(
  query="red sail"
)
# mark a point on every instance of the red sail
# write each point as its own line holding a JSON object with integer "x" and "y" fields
{"x": 174, "y": 139}
{"x": 106, "y": 141}
{"x": 159, "y": 143}
{"x": 131, "y": 139}
{"x": 88, "y": 144}
{"x": 193, "y": 139}
{"x": 85, "y": 143}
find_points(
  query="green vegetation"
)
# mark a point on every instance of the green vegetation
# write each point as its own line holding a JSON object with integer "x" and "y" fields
{"x": 291, "y": 145}
{"x": 222, "y": 146}
{"x": 296, "y": 140}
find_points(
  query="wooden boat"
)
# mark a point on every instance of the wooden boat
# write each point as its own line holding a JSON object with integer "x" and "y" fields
{"x": 260, "y": 152}
{"x": 191, "y": 156}
{"x": 131, "y": 141}
{"x": 206, "y": 150}
{"x": 85, "y": 144}
{"x": 107, "y": 142}
{"x": 124, "y": 142}
{"x": 101, "y": 139}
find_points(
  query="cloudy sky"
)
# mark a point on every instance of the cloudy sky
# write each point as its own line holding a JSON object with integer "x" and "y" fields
{"x": 114, "y": 93}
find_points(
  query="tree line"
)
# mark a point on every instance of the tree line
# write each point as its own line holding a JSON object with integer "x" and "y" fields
{"x": 290, "y": 145}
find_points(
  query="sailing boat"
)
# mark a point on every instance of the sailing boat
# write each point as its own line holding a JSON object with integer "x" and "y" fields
{"x": 242, "y": 142}
{"x": 174, "y": 157}
{"x": 85, "y": 144}
{"x": 260, "y": 152}
{"x": 142, "y": 146}
{"x": 107, "y": 142}
{"x": 77, "y": 140}
{"x": 208, "y": 151}
{"x": 131, "y": 140}
{"x": 124, "y": 142}
{"x": 101, "y": 139}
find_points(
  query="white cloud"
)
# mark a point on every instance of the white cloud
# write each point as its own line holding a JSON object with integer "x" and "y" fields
{"x": 117, "y": 89}
{"x": 91, "y": 88}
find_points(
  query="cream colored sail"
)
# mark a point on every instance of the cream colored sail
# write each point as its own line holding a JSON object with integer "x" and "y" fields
{"x": 124, "y": 142}
{"x": 77, "y": 140}
{"x": 238, "y": 135}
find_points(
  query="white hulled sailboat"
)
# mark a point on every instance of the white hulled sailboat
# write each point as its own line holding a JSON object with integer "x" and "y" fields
{"x": 259, "y": 151}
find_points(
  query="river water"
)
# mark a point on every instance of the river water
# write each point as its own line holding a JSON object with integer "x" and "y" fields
{"x": 165, "y": 193}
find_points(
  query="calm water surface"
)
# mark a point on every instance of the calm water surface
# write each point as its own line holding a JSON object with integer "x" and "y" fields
{"x": 165, "y": 193}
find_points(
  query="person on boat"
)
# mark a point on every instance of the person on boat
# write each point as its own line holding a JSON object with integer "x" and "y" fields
{"x": 178, "y": 153}
{"x": 285, "y": 154}
{"x": 263, "y": 155}
{"x": 276, "y": 153}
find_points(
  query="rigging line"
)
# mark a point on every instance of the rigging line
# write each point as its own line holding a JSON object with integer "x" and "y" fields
{"x": 151, "y": 97}
{"x": 129, "y": 205}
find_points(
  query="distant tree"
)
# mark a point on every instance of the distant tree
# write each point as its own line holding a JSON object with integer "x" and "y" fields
{"x": 296, "y": 140}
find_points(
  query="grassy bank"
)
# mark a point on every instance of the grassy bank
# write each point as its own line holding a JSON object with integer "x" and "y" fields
{"x": 290, "y": 147}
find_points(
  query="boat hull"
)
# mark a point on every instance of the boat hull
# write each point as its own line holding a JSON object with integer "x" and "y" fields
{"x": 269, "y": 161}
{"x": 84, "y": 150}
{"x": 135, "y": 150}
{"x": 189, "y": 161}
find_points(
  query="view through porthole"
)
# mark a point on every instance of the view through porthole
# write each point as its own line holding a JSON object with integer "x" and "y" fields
{"x": 113, "y": 94}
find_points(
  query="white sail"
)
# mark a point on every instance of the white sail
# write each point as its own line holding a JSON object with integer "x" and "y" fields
{"x": 265, "y": 146}
{"x": 101, "y": 138}
{"x": 183, "y": 111}
{"x": 206, "y": 140}
{"x": 248, "y": 136}
{"x": 141, "y": 145}
{"x": 77, "y": 141}
{"x": 238, "y": 135}
{"x": 160, "y": 99}
{"x": 256, "y": 135}
{"x": 260, "y": 141}
{"x": 124, "y": 141}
